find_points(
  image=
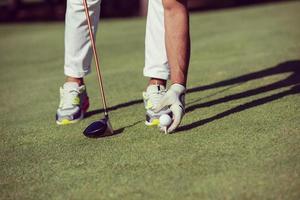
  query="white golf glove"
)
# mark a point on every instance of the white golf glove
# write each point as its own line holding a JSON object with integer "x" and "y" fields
{"x": 174, "y": 99}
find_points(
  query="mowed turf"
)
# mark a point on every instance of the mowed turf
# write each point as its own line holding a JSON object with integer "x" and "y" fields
{"x": 240, "y": 138}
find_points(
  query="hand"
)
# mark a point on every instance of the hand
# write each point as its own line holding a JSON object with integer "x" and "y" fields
{"x": 174, "y": 99}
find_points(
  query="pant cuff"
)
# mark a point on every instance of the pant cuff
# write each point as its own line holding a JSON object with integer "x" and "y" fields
{"x": 160, "y": 74}
{"x": 76, "y": 74}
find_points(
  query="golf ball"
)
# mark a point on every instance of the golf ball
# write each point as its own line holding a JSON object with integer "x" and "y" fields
{"x": 165, "y": 120}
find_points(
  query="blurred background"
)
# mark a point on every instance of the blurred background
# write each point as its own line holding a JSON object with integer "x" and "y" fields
{"x": 54, "y": 10}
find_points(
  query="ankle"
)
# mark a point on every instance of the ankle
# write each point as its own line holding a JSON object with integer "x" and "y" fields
{"x": 156, "y": 81}
{"x": 80, "y": 81}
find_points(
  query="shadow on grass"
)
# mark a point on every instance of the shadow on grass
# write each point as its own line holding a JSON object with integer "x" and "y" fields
{"x": 120, "y": 130}
{"x": 117, "y": 131}
{"x": 293, "y": 81}
{"x": 116, "y": 107}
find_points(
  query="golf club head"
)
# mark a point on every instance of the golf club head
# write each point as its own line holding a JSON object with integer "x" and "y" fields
{"x": 101, "y": 128}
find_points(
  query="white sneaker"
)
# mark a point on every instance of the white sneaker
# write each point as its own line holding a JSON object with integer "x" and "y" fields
{"x": 151, "y": 98}
{"x": 74, "y": 102}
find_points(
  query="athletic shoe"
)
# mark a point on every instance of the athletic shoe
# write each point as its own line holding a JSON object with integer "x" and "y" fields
{"x": 74, "y": 102}
{"x": 151, "y": 97}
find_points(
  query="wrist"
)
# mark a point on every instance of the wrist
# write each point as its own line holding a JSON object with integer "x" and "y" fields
{"x": 178, "y": 88}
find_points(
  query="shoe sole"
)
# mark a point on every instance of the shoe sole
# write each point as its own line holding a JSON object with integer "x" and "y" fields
{"x": 154, "y": 122}
{"x": 67, "y": 121}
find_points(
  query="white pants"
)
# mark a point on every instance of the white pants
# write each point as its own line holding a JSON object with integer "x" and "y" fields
{"x": 78, "y": 51}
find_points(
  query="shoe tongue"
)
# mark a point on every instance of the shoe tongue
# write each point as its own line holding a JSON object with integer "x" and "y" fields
{"x": 155, "y": 88}
{"x": 71, "y": 86}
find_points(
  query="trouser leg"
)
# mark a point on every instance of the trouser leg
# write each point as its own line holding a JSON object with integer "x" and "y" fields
{"x": 78, "y": 50}
{"x": 156, "y": 61}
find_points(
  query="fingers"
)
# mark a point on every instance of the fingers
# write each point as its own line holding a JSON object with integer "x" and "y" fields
{"x": 165, "y": 101}
{"x": 177, "y": 116}
{"x": 161, "y": 104}
{"x": 174, "y": 98}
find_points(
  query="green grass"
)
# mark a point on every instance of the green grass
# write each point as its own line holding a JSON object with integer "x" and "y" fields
{"x": 240, "y": 138}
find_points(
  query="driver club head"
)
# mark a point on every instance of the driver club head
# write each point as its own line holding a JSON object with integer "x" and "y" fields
{"x": 101, "y": 128}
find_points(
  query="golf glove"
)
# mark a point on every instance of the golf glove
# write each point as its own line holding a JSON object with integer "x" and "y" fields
{"x": 174, "y": 99}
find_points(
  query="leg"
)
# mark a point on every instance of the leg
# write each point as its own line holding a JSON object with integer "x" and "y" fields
{"x": 156, "y": 62}
{"x": 74, "y": 100}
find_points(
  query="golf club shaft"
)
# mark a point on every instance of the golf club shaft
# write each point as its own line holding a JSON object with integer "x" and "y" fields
{"x": 92, "y": 38}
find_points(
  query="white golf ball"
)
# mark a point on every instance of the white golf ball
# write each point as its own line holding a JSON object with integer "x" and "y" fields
{"x": 165, "y": 120}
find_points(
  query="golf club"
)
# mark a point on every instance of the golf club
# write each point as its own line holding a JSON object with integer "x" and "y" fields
{"x": 102, "y": 127}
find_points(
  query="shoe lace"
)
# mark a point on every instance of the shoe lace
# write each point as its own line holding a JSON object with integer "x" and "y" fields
{"x": 69, "y": 98}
